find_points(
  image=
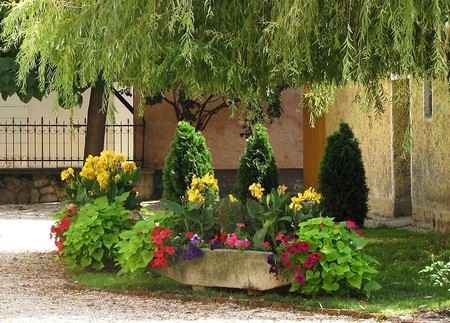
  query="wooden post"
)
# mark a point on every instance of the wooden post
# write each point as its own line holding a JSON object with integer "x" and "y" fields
{"x": 314, "y": 140}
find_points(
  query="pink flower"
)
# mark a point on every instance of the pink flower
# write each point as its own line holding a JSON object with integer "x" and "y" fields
{"x": 300, "y": 278}
{"x": 266, "y": 244}
{"x": 231, "y": 240}
{"x": 359, "y": 233}
{"x": 351, "y": 225}
{"x": 246, "y": 244}
{"x": 305, "y": 246}
{"x": 240, "y": 225}
{"x": 279, "y": 237}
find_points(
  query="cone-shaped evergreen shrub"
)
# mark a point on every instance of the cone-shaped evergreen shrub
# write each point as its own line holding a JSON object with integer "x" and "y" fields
{"x": 342, "y": 178}
{"x": 257, "y": 165}
{"x": 188, "y": 155}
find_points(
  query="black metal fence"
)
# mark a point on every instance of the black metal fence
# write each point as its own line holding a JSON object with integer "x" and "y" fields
{"x": 55, "y": 144}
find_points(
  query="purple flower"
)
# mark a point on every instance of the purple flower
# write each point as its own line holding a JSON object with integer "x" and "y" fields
{"x": 196, "y": 239}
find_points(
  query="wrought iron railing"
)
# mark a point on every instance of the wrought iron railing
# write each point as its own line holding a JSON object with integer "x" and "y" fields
{"x": 55, "y": 144}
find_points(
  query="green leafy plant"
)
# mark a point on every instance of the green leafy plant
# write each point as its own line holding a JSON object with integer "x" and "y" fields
{"x": 137, "y": 246}
{"x": 188, "y": 155}
{"x": 273, "y": 213}
{"x": 196, "y": 212}
{"x": 257, "y": 165}
{"x": 324, "y": 255}
{"x": 438, "y": 273}
{"x": 91, "y": 240}
{"x": 109, "y": 175}
{"x": 278, "y": 212}
{"x": 342, "y": 178}
{"x": 230, "y": 211}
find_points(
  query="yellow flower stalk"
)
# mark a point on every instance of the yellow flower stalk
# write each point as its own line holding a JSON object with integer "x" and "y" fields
{"x": 67, "y": 173}
{"x": 256, "y": 190}
{"x": 281, "y": 189}
{"x": 102, "y": 179}
{"x": 128, "y": 166}
{"x": 232, "y": 198}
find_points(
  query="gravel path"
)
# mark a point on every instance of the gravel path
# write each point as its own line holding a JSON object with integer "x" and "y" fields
{"x": 33, "y": 286}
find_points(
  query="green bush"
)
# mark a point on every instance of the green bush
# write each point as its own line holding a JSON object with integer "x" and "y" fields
{"x": 342, "y": 178}
{"x": 257, "y": 165}
{"x": 90, "y": 241}
{"x": 188, "y": 155}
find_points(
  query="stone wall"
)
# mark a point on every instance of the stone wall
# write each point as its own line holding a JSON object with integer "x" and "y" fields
{"x": 22, "y": 186}
{"x": 30, "y": 186}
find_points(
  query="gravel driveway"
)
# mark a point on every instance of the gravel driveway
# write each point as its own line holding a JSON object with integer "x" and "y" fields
{"x": 33, "y": 286}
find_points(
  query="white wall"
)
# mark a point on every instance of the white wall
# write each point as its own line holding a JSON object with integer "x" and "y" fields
{"x": 60, "y": 143}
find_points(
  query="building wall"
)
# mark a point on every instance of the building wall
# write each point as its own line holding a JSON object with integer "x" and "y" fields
{"x": 374, "y": 136}
{"x": 431, "y": 158}
{"x": 223, "y": 135}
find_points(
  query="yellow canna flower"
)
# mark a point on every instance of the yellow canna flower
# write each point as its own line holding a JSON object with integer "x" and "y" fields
{"x": 102, "y": 179}
{"x": 281, "y": 189}
{"x": 311, "y": 195}
{"x": 232, "y": 198}
{"x": 197, "y": 183}
{"x": 67, "y": 173}
{"x": 194, "y": 195}
{"x": 128, "y": 166}
{"x": 256, "y": 190}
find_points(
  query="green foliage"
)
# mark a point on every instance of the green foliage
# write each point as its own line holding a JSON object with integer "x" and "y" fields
{"x": 196, "y": 213}
{"x": 8, "y": 73}
{"x": 188, "y": 156}
{"x": 257, "y": 165}
{"x": 91, "y": 240}
{"x": 231, "y": 211}
{"x": 246, "y": 52}
{"x": 343, "y": 265}
{"x": 135, "y": 248}
{"x": 438, "y": 273}
{"x": 342, "y": 178}
{"x": 109, "y": 175}
{"x": 273, "y": 214}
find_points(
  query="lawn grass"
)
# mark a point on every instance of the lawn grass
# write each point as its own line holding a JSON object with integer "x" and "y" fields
{"x": 401, "y": 253}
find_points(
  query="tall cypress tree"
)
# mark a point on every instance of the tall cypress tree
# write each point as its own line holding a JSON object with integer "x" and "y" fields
{"x": 342, "y": 178}
{"x": 257, "y": 165}
{"x": 188, "y": 156}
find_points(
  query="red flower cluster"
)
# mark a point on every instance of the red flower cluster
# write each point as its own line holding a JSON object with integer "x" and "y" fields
{"x": 295, "y": 257}
{"x": 57, "y": 230}
{"x": 161, "y": 251}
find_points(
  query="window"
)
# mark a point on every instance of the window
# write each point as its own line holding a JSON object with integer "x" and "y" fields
{"x": 428, "y": 100}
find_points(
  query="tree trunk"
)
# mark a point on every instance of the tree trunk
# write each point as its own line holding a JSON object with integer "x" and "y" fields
{"x": 96, "y": 123}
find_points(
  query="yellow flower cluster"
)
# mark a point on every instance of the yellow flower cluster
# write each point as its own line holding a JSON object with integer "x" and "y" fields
{"x": 196, "y": 192}
{"x": 308, "y": 196}
{"x": 281, "y": 189}
{"x": 257, "y": 190}
{"x": 67, "y": 174}
{"x": 100, "y": 168}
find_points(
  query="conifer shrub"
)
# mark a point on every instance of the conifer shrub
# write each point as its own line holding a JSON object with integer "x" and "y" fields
{"x": 342, "y": 178}
{"x": 257, "y": 165}
{"x": 188, "y": 156}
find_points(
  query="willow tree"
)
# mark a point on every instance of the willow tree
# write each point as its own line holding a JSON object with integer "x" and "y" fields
{"x": 230, "y": 48}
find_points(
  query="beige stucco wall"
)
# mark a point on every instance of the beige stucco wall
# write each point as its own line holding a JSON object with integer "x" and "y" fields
{"x": 374, "y": 136}
{"x": 223, "y": 135}
{"x": 431, "y": 159}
